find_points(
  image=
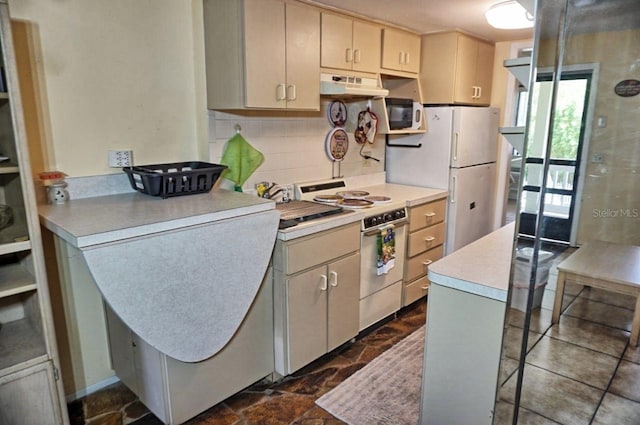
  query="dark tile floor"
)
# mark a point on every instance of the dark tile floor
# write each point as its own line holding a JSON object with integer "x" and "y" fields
{"x": 290, "y": 401}
{"x": 581, "y": 370}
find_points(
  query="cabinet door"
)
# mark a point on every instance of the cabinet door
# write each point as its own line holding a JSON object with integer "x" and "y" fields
{"x": 484, "y": 72}
{"x": 400, "y": 50}
{"x": 466, "y": 58}
{"x": 26, "y": 397}
{"x": 366, "y": 47}
{"x": 303, "y": 57}
{"x": 344, "y": 299}
{"x": 336, "y": 47}
{"x": 307, "y": 316}
{"x": 265, "y": 77}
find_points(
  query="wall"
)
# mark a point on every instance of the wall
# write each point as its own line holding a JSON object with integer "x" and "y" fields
{"x": 610, "y": 203}
{"x": 117, "y": 74}
{"x": 293, "y": 144}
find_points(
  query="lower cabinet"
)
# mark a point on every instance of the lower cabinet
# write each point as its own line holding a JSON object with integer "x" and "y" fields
{"x": 425, "y": 245}
{"x": 176, "y": 391}
{"x": 315, "y": 309}
{"x": 26, "y": 397}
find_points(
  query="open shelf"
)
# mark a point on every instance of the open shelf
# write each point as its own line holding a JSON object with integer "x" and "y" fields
{"x": 8, "y": 168}
{"x": 520, "y": 68}
{"x": 14, "y": 279}
{"x": 19, "y": 342}
{"x": 515, "y": 136}
{"x": 9, "y": 247}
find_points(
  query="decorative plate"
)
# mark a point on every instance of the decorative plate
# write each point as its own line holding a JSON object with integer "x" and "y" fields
{"x": 337, "y": 144}
{"x": 355, "y": 203}
{"x": 337, "y": 113}
{"x": 353, "y": 194}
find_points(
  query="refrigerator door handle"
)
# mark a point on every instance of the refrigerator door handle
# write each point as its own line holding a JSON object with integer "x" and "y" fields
{"x": 455, "y": 146}
{"x": 452, "y": 198}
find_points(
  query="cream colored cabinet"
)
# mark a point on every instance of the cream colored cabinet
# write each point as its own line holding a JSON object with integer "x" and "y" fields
{"x": 400, "y": 50}
{"x": 176, "y": 391}
{"x": 30, "y": 388}
{"x": 425, "y": 244}
{"x": 456, "y": 69}
{"x": 262, "y": 54}
{"x": 349, "y": 44}
{"x": 316, "y": 295}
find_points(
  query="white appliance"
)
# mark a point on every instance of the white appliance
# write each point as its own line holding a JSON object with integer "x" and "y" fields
{"x": 457, "y": 153}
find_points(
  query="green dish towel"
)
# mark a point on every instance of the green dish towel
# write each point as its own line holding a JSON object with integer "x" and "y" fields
{"x": 242, "y": 160}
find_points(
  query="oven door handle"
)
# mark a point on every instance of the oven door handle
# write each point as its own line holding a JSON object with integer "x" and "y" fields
{"x": 376, "y": 231}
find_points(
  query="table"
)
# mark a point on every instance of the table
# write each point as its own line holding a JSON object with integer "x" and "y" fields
{"x": 605, "y": 265}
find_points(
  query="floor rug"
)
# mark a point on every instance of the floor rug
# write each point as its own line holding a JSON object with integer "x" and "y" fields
{"x": 386, "y": 391}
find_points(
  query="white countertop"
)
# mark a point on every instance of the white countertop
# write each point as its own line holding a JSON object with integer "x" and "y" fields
{"x": 480, "y": 268}
{"x": 401, "y": 196}
{"x": 91, "y": 221}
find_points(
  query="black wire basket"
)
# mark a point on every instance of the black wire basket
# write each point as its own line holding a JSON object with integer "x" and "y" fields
{"x": 174, "y": 179}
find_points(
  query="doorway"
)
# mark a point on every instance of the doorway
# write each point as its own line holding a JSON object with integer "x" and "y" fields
{"x": 571, "y": 122}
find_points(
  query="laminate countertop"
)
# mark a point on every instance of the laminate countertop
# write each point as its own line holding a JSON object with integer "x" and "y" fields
{"x": 91, "y": 221}
{"x": 480, "y": 268}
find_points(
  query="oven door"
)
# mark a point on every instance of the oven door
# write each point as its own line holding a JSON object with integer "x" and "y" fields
{"x": 370, "y": 282}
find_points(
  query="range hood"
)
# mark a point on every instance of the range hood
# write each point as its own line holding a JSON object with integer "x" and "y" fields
{"x": 346, "y": 85}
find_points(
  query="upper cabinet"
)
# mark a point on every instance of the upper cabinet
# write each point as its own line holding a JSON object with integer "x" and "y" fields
{"x": 349, "y": 44}
{"x": 400, "y": 50}
{"x": 456, "y": 69}
{"x": 262, "y": 54}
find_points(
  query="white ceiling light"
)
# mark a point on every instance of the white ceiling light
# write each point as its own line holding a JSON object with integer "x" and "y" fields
{"x": 509, "y": 15}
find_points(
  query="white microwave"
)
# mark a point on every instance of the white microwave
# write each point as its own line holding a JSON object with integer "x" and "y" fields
{"x": 403, "y": 114}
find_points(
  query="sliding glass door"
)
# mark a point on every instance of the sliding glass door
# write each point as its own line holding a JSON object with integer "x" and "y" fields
{"x": 569, "y": 124}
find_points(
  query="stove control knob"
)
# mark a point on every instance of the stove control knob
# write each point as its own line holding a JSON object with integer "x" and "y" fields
{"x": 399, "y": 214}
{"x": 387, "y": 217}
{"x": 373, "y": 221}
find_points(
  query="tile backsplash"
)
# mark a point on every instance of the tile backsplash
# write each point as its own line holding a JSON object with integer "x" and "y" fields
{"x": 294, "y": 145}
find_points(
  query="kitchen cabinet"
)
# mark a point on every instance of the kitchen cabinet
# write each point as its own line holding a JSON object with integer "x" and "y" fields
{"x": 400, "y": 50}
{"x": 316, "y": 295}
{"x": 30, "y": 391}
{"x": 425, "y": 244}
{"x": 262, "y": 54}
{"x": 349, "y": 44}
{"x": 456, "y": 69}
{"x": 176, "y": 391}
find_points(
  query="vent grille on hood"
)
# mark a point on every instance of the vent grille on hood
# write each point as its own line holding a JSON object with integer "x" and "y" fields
{"x": 346, "y": 85}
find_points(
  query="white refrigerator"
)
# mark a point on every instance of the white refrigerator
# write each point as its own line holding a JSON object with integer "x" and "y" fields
{"x": 457, "y": 153}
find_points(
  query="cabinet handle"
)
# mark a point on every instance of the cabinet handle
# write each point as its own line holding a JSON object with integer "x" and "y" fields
{"x": 479, "y": 92}
{"x": 407, "y": 58}
{"x": 425, "y": 287}
{"x": 281, "y": 92}
{"x": 430, "y": 214}
{"x": 349, "y": 55}
{"x": 356, "y": 56}
{"x": 323, "y": 287}
{"x": 335, "y": 278}
{"x": 427, "y": 262}
{"x": 401, "y": 58}
{"x": 429, "y": 239}
{"x": 291, "y": 92}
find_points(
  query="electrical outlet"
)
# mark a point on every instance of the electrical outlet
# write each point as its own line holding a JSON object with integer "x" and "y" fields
{"x": 121, "y": 158}
{"x": 597, "y": 158}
